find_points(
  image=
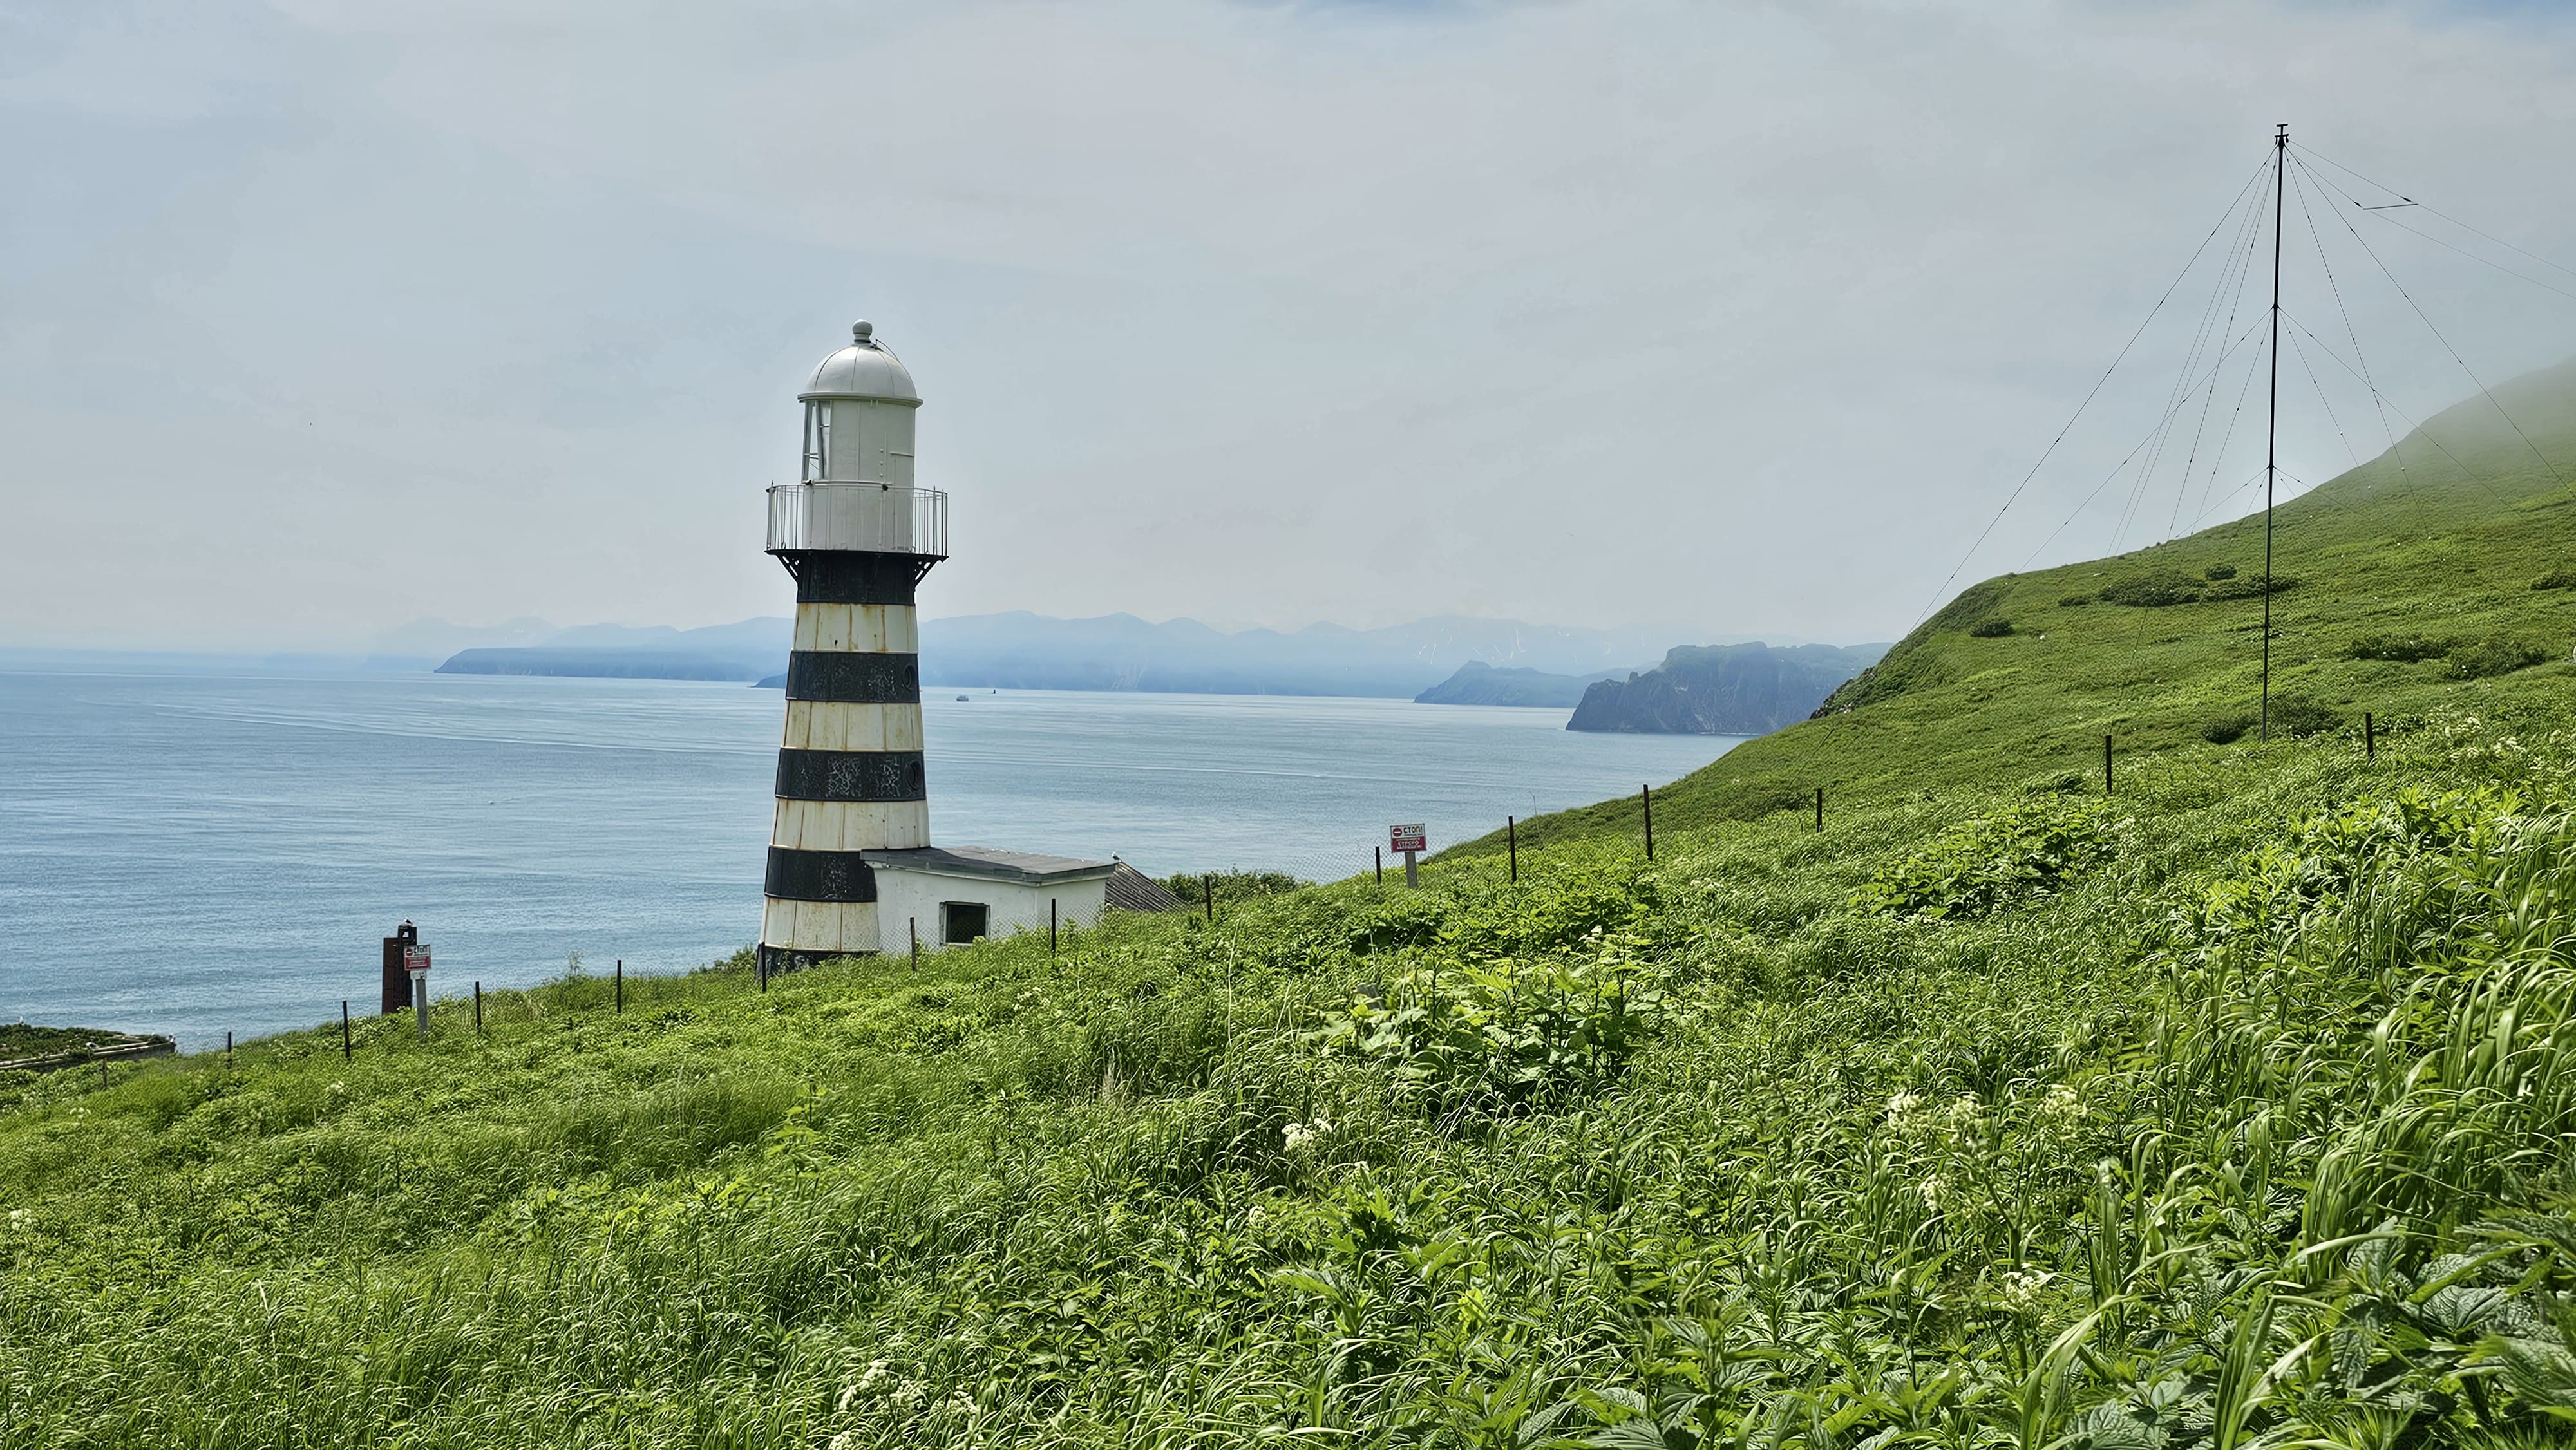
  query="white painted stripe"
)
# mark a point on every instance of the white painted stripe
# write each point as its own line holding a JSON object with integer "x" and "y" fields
{"x": 819, "y": 926}
{"x": 825, "y": 725}
{"x": 858, "y": 628}
{"x": 851, "y": 825}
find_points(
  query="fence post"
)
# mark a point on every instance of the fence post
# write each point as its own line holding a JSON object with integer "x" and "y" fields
{"x": 621, "y": 987}
{"x": 1207, "y": 884}
{"x": 1820, "y": 810}
{"x": 1050, "y": 926}
{"x": 2106, "y": 765}
{"x": 478, "y": 1009}
{"x": 228, "y": 1050}
{"x": 1646, "y": 794}
{"x": 1512, "y": 838}
{"x": 2369, "y": 738}
{"x": 344, "y": 1029}
{"x": 912, "y": 924}
{"x": 1377, "y": 862}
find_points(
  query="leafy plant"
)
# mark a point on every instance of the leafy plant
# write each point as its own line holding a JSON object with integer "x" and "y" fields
{"x": 2153, "y": 590}
{"x": 2298, "y": 716}
{"x": 2493, "y": 655}
{"x": 2403, "y": 648}
{"x": 2226, "y": 728}
{"x": 1990, "y": 629}
{"x": 2011, "y": 856}
{"x": 1230, "y": 885}
{"x": 1501, "y": 1035}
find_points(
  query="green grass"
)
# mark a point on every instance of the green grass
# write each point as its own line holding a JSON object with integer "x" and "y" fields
{"x": 2233, "y": 1110}
{"x": 18, "y": 1040}
{"x": 1984, "y": 1117}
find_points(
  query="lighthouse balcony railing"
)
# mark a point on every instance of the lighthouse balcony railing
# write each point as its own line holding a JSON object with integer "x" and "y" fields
{"x": 883, "y": 518}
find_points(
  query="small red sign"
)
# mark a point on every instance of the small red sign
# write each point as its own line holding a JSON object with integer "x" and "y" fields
{"x": 416, "y": 959}
{"x": 1407, "y": 838}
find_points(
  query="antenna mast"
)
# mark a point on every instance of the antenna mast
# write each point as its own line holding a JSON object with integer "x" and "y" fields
{"x": 2272, "y": 432}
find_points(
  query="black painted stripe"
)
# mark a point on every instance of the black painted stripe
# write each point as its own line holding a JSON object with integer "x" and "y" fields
{"x": 775, "y": 960}
{"x": 854, "y": 677}
{"x": 851, "y": 775}
{"x": 848, "y": 576}
{"x": 818, "y": 876}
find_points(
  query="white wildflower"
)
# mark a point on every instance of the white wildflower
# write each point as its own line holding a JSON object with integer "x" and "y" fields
{"x": 2022, "y": 1286}
{"x": 1902, "y": 1106}
{"x": 1298, "y": 1135}
{"x": 2062, "y": 1102}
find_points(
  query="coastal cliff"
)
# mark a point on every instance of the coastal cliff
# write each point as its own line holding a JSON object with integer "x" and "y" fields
{"x": 1728, "y": 689}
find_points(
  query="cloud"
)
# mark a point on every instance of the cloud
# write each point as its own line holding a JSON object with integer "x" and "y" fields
{"x": 1744, "y": 316}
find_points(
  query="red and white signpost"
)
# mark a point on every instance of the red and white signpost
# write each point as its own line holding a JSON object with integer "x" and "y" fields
{"x": 1410, "y": 841}
{"x": 416, "y": 962}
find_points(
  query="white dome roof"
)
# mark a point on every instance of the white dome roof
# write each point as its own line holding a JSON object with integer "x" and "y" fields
{"x": 864, "y": 369}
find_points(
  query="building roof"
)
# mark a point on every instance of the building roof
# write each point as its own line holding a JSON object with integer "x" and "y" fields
{"x": 1132, "y": 890}
{"x": 1026, "y": 867}
{"x": 864, "y": 369}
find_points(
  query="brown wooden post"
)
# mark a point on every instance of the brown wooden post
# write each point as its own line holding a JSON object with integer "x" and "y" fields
{"x": 344, "y": 1029}
{"x": 912, "y": 924}
{"x": 1207, "y": 884}
{"x": 1820, "y": 810}
{"x": 2106, "y": 765}
{"x": 478, "y": 1009}
{"x": 228, "y": 1049}
{"x": 621, "y": 987}
{"x": 1512, "y": 837}
{"x": 1377, "y": 862}
{"x": 1646, "y": 794}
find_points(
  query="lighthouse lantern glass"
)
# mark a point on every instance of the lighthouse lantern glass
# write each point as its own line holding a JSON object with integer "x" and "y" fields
{"x": 818, "y": 440}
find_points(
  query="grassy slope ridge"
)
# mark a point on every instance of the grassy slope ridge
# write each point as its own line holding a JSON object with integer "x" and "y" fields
{"x": 2234, "y": 1110}
{"x": 2443, "y": 536}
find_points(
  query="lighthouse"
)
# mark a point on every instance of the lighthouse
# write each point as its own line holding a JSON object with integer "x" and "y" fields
{"x": 851, "y": 870}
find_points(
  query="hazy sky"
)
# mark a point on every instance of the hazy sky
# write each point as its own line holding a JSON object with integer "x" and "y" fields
{"x": 320, "y": 318}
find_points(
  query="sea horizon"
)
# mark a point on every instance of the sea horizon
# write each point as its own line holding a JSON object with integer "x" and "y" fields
{"x": 194, "y": 851}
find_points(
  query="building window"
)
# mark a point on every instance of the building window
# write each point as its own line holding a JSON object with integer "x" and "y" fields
{"x": 818, "y": 440}
{"x": 961, "y": 922}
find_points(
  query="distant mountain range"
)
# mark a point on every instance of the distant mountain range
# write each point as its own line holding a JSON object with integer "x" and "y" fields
{"x": 1736, "y": 689}
{"x": 1112, "y": 652}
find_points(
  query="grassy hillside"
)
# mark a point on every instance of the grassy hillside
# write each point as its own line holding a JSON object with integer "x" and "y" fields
{"x": 2432, "y": 549}
{"x": 2234, "y": 1110}
{"x": 1985, "y": 1118}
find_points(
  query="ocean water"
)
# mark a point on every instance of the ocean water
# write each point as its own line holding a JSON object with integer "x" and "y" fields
{"x": 200, "y": 853}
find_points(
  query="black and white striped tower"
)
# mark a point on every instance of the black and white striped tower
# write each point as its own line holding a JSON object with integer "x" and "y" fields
{"x": 857, "y": 536}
